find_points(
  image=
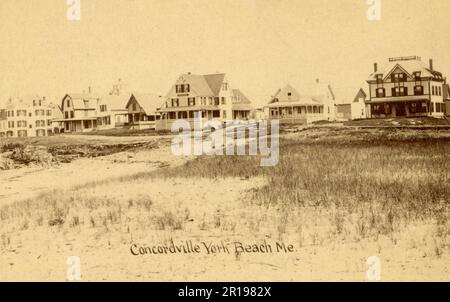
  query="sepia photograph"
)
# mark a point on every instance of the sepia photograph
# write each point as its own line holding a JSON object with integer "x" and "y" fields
{"x": 224, "y": 141}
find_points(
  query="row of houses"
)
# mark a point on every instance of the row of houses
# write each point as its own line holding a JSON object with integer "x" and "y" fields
{"x": 405, "y": 86}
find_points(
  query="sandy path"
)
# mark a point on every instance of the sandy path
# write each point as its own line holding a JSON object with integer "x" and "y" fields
{"x": 25, "y": 183}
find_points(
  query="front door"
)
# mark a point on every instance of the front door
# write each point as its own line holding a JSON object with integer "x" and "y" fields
{"x": 400, "y": 109}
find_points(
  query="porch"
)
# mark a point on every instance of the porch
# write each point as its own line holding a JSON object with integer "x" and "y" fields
{"x": 79, "y": 125}
{"x": 296, "y": 114}
{"x": 412, "y": 108}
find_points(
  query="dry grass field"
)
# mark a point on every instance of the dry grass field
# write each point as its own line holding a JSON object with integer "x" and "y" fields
{"x": 338, "y": 196}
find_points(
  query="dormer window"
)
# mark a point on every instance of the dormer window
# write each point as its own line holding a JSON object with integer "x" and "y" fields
{"x": 417, "y": 75}
{"x": 379, "y": 78}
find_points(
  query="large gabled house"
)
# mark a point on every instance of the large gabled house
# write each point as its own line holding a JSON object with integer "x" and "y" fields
{"x": 209, "y": 94}
{"x": 79, "y": 112}
{"x": 290, "y": 107}
{"x": 406, "y": 87}
{"x": 142, "y": 110}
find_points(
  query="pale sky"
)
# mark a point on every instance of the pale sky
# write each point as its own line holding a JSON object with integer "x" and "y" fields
{"x": 260, "y": 44}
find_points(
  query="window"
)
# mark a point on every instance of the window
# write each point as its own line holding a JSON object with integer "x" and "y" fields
{"x": 216, "y": 101}
{"x": 380, "y": 93}
{"x": 417, "y": 76}
{"x": 432, "y": 107}
{"x": 223, "y": 100}
{"x": 175, "y": 103}
{"x": 418, "y": 90}
{"x": 72, "y": 114}
{"x": 182, "y": 88}
{"x": 49, "y": 122}
{"x": 68, "y": 103}
{"x": 432, "y": 90}
{"x": 49, "y": 112}
{"x": 225, "y": 86}
{"x": 134, "y": 106}
{"x": 40, "y": 123}
{"x": 379, "y": 78}
{"x": 438, "y": 107}
{"x": 191, "y": 101}
{"x": 398, "y": 77}
{"x": 289, "y": 93}
{"x": 21, "y": 113}
{"x": 216, "y": 113}
{"x": 440, "y": 90}
{"x": 399, "y": 91}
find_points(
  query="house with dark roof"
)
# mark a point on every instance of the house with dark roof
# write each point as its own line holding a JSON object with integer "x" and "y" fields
{"x": 405, "y": 87}
{"x": 290, "y": 107}
{"x": 142, "y": 110}
{"x": 210, "y": 94}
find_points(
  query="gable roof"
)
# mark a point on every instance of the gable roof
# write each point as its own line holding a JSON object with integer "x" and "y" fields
{"x": 78, "y": 101}
{"x": 150, "y": 102}
{"x": 116, "y": 102}
{"x": 282, "y": 97}
{"x": 215, "y": 82}
{"x": 206, "y": 85}
{"x": 239, "y": 97}
{"x": 349, "y": 94}
{"x": 409, "y": 66}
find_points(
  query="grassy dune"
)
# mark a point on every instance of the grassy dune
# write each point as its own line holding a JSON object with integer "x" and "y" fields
{"x": 384, "y": 184}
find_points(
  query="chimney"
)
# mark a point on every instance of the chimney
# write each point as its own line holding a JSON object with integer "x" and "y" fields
{"x": 375, "y": 67}
{"x": 431, "y": 64}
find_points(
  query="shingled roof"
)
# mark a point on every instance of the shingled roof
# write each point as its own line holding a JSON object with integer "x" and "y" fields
{"x": 288, "y": 95}
{"x": 150, "y": 102}
{"x": 409, "y": 66}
